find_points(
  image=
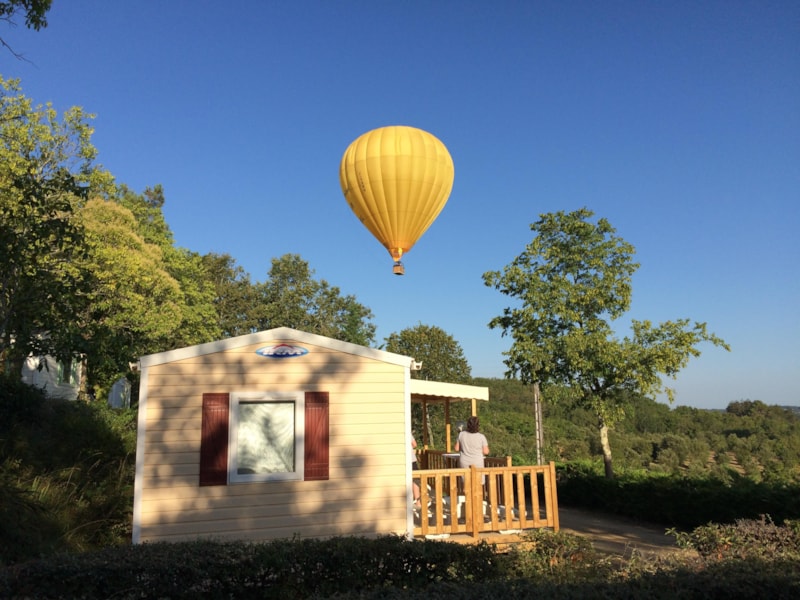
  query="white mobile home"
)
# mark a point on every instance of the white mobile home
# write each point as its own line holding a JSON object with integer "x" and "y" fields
{"x": 58, "y": 379}
{"x": 276, "y": 434}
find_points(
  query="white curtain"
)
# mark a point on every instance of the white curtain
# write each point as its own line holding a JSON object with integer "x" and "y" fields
{"x": 265, "y": 437}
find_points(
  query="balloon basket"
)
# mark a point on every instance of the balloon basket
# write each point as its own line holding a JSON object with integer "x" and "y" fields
{"x": 398, "y": 268}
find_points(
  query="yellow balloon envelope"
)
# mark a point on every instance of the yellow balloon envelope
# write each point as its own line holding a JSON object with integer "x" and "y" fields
{"x": 397, "y": 180}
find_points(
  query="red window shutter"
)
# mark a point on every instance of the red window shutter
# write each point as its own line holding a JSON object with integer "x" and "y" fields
{"x": 214, "y": 440}
{"x": 316, "y": 436}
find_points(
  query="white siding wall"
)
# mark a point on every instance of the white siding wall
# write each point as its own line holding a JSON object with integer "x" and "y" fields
{"x": 367, "y": 490}
{"x": 46, "y": 378}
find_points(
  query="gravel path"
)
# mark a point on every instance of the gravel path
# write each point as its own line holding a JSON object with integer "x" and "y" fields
{"x": 609, "y": 534}
{"x": 617, "y": 535}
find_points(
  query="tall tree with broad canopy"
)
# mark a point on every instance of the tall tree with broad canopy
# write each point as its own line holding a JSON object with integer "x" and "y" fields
{"x": 236, "y": 298}
{"x": 442, "y": 359}
{"x": 47, "y": 171}
{"x": 569, "y": 284}
{"x": 441, "y": 355}
{"x": 146, "y": 294}
{"x": 134, "y": 302}
{"x": 291, "y": 297}
{"x": 199, "y": 322}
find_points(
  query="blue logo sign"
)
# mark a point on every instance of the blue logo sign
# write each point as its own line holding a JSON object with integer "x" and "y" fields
{"x": 282, "y": 351}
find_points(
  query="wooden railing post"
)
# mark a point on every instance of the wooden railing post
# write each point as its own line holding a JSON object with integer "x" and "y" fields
{"x": 476, "y": 496}
{"x": 552, "y": 504}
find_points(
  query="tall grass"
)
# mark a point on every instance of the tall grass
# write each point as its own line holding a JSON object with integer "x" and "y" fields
{"x": 66, "y": 474}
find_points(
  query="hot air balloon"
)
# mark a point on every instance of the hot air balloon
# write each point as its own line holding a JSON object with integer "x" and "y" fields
{"x": 396, "y": 180}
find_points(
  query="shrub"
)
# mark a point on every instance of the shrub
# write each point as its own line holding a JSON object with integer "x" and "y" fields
{"x": 66, "y": 474}
{"x": 676, "y": 500}
{"x": 553, "y": 565}
{"x": 746, "y": 539}
{"x": 20, "y": 405}
{"x": 285, "y": 568}
{"x": 556, "y": 556}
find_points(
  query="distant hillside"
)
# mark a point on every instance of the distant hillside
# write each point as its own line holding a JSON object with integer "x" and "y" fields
{"x": 748, "y": 438}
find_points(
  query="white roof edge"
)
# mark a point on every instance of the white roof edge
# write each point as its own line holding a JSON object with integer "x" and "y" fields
{"x": 449, "y": 390}
{"x": 274, "y": 335}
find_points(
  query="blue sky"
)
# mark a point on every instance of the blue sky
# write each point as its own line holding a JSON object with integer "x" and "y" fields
{"x": 679, "y": 122}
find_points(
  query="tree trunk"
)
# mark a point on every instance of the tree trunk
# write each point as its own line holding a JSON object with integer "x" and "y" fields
{"x": 537, "y": 414}
{"x": 606, "y": 450}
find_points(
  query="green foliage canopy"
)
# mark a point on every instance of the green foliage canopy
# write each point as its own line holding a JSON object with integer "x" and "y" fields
{"x": 47, "y": 171}
{"x": 571, "y": 281}
{"x": 441, "y": 355}
{"x": 34, "y": 11}
{"x": 236, "y": 298}
{"x": 198, "y": 318}
{"x": 442, "y": 359}
{"x": 291, "y": 297}
{"x": 143, "y": 293}
{"x": 134, "y": 303}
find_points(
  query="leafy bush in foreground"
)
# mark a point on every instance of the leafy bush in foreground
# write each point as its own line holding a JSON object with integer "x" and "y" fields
{"x": 547, "y": 564}
{"x": 740, "y": 580}
{"x": 287, "y": 568}
{"x": 745, "y": 539}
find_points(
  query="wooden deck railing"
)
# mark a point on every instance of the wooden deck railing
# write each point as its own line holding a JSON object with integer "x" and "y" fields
{"x": 439, "y": 459}
{"x": 494, "y": 498}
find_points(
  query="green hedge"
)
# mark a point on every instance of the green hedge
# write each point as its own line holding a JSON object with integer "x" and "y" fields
{"x": 550, "y": 565}
{"x": 289, "y": 568}
{"x": 676, "y": 500}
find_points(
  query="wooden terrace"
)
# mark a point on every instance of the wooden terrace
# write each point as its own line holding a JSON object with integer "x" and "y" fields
{"x": 497, "y": 498}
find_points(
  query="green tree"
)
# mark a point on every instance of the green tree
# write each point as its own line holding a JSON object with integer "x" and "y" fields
{"x": 134, "y": 302}
{"x": 441, "y": 355}
{"x": 147, "y": 208}
{"x": 47, "y": 171}
{"x": 147, "y": 295}
{"x": 442, "y": 359}
{"x": 199, "y": 320}
{"x": 569, "y": 284}
{"x": 291, "y": 297}
{"x": 236, "y": 298}
{"x": 34, "y": 11}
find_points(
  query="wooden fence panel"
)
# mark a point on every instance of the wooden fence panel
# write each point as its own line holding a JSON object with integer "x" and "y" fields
{"x": 498, "y": 498}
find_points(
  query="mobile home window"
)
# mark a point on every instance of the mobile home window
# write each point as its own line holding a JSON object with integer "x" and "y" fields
{"x": 247, "y": 437}
{"x": 266, "y": 436}
{"x": 68, "y": 372}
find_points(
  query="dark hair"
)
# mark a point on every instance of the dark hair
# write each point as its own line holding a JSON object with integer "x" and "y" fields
{"x": 473, "y": 425}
